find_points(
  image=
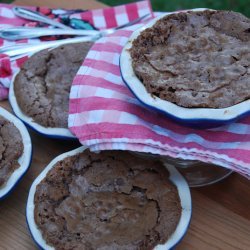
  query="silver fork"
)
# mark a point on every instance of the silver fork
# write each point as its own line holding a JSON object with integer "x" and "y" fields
{"x": 16, "y": 51}
{"x": 17, "y": 33}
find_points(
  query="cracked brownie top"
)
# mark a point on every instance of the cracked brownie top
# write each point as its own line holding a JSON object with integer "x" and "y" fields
{"x": 196, "y": 59}
{"x": 42, "y": 86}
{"x": 11, "y": 149}
{"x": 111, "y": 200}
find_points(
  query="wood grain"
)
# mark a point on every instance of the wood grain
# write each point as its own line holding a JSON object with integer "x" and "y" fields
{"x": 221, "y": 212}
{"x": 215, "y": 226}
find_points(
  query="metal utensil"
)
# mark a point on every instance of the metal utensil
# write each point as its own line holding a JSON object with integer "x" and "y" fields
{"x": 16, "y": 50}
{"x": 36, "y": 16}
{"x": 17, "y": 33}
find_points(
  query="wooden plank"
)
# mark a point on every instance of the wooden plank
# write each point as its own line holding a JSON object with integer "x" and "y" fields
{"x": 233, "y": 193}
{"x": 215, "y": 226}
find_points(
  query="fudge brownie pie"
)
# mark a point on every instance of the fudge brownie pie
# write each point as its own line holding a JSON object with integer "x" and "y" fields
{"x": 109, "y": 200}
{"x": 195, "y": 59}
{"x": 13, "y": 146}
{"x": 43, "y": 84}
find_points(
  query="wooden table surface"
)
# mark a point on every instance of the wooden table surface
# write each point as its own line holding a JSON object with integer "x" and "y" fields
{"x": 221, "y": 212}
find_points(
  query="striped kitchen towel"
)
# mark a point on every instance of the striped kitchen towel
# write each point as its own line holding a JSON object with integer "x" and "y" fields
{"x": 104, "y": 114}
{"x": 95, "y": 19}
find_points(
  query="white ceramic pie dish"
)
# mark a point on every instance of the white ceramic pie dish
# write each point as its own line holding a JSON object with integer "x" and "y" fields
{"x": 60, "y": 133}
{"x": 25, "y": 158}
{"x": 201, "y": 117}
{"x": 175, "y": 177}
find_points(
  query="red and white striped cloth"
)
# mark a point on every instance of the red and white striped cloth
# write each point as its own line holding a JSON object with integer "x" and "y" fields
{"x": 104, "y": 114}
{"x": 101, "y": 19}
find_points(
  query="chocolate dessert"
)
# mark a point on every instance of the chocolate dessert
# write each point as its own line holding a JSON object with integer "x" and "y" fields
{"x": 110, "y": 200}
{"x": 196, "y": 59}
{"x": 11, "y": 149}
{"x": 42, "y": 86}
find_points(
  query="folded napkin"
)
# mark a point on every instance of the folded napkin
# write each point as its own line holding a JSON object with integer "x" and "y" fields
{"x": 104, "y": 114}
{"x": 94, "y": 19}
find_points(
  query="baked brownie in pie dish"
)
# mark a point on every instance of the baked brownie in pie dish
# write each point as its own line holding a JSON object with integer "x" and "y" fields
{"x": 15, "y": 151}
{"x": 187, "y": 62}
{"x": 108, "y": 200}
{"x": 39, "y": 94}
